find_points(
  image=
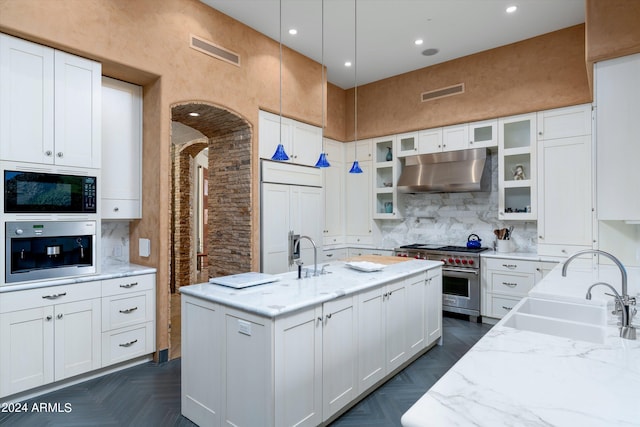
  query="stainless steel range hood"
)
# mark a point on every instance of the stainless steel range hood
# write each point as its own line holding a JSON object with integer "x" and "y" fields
{"x": 448, "y": 172}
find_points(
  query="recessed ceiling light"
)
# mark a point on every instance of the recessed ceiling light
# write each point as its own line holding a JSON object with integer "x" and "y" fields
{"x": 511, "y": 9}
{"x": 430, "y": 52}
{"x": 418, "y": 42}
{"x": 347, "y": 64}
{"x": 293, "y": 31}
{"x": 194, "y": 114}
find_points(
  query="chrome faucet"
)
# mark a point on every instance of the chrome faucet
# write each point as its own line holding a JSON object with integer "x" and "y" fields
{"x": 626, "y": 330}
{"x": 315, "y": 252}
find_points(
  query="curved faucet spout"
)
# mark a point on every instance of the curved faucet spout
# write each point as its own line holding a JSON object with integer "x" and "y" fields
{"x": 615, "y": 260}
{"x": 315, "y": 252}
{"x": 626, "y": 329}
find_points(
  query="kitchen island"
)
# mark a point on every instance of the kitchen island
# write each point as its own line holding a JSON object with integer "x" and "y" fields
{"x": 514, "y": 376}
{"x": 302, "y": 351}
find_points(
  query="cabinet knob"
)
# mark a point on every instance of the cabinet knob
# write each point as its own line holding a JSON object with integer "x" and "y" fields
{"x": 48, "y": 153}
{"x": 59, "y": 154}
{"x": 59, "y": 316}
{"x": 540, "y": 237}
{"x": 540, "y": 133}
{"x": 116, "y": 209}
{"x": 49, "y": 318}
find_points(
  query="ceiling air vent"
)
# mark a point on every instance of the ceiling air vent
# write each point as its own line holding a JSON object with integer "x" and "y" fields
{"x": 211, "y": 49}
{"x": 443, "y": 92}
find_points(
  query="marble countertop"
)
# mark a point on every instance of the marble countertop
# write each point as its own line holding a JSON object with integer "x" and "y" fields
{"x": 513, "y": 377}
{"x": 290, "y": 293}
{"x": 108, "y": 271}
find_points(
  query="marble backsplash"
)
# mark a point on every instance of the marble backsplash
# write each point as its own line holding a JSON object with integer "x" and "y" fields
{"x": 114, "y": 247}
{"x": 449, "y": 218}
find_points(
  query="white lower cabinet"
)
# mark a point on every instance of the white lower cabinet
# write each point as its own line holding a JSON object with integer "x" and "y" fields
{"x": 433, "y": 304}
{"x": 50, "y": 334}
{"x": 302, "y": 368}
{"x": 339, "y": 350}
{"x": 506, "y": 281}
{"x": 56, "y": 332}
{"x": 128, "y": 318}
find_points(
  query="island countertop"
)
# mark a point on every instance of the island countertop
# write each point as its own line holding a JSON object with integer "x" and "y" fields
{"x": 515, "y": 377}
{"x": 289, "y": 293}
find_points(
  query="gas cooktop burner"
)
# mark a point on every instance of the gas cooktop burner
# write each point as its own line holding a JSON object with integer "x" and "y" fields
{"x": 443, "y": 248}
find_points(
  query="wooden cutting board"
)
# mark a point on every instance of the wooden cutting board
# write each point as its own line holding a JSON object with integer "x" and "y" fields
{"x": 379, "y": 259}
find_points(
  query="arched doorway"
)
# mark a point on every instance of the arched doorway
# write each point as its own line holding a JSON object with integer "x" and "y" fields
{"x": 227, "y": 241}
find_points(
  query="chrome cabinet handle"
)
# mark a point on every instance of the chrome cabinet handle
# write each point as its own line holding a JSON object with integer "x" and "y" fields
{"x": 129, "y": 285}
{"x": 510, "y": 266}
{"x": 54, "y": 296}
{"x": 511, "y": 285}
{"x": 507, "y": 308}
{"x": 59, "y": 316}
{"x": 128, "y": 344}
{"x": 128, "y": 310}
{"x": 116, "y": 209}
{"x": 328, "y": 316}
{"x": 59, "y": 154}
{"x": 49, "y": 318}
{"x": 48, "y": 153}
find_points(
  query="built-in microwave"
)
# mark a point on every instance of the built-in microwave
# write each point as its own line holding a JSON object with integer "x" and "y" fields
{"x": 42, "y": 192}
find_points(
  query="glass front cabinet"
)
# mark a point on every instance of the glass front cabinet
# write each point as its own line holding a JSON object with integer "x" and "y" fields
{"x": 517, "y": 168}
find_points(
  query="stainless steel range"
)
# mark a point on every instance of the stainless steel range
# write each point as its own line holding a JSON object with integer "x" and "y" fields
{"x": 460, "y": 274}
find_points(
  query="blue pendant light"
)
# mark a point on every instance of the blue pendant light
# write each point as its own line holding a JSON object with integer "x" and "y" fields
{"x": 355, "y": 168}
{"x": 322, "y": 160}
{"x": 280, "y": 155}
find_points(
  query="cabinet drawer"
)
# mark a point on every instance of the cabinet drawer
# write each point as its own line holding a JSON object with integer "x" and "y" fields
{"x": 500, "y": 306}
{"x": 512, "y": 284}
{"x": 120, "y": 209}
{"x": 559, "y": 250}
{"x": 126, "y": 310}
{"x": 127, "y": 343}
{"x": 48, "y": 295}
{"x": 511, "y": 265}
{"x": 121, "y": 285}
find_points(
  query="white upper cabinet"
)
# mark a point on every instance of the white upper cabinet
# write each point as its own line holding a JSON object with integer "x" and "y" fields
{"x": 302, "y": 142}
{"x": 517, "y": 167}
{"x": 455, "y": 137}
{"x": 121, "y": 149}
{"x": 334, "y": 189}
{"x": 407, "y": 144}
{"x": 26, "y": 104}
{"x": 565, "y": 218}
{"x": 430, "y": 141}
{"x": 617, "y": 95}
{"x": 50, "y": 107}
{"x": 483, "y": 134}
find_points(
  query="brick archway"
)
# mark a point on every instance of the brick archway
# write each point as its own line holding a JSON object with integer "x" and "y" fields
{"x": 228, "y": 137}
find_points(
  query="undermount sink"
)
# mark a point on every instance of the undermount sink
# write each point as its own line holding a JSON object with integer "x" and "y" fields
{"x": 580, "y": 322}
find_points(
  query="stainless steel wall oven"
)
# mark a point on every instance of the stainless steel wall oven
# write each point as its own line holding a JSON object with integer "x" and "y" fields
{"x": 49, "y": 250}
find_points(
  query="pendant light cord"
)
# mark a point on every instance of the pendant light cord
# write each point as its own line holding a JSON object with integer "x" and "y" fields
{"x": 355, "y": 73}
{"x": 322, "y": 69}
{"x": 280, "y": 41}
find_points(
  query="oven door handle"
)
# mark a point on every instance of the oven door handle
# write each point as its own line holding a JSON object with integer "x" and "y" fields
{"x": 460, "y": 270}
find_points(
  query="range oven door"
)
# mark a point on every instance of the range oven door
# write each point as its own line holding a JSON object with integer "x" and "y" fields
{"x": 461, "y": 291}
{"x": 49, "y": 250}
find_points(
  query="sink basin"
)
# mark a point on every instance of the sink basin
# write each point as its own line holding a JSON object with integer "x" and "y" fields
{"x": 595, "y": 315}
{"x": 562, "y": 319}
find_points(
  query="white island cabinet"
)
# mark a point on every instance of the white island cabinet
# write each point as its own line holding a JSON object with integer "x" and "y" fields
{"x": 292, "y": 352}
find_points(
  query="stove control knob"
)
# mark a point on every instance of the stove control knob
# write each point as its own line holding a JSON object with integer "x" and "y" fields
{"x": 471, "y": 262}
{"x": 457, "y": 261}
{"x": 464, "y": 262}
{"x": 19, "y": 231}
{"x": 444, "y": 260}
{"x": 450, "y": 260}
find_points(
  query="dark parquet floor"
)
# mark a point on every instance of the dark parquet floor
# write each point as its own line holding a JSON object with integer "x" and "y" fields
{"x": 149, "y": 394}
